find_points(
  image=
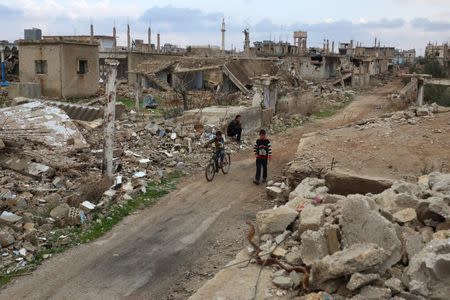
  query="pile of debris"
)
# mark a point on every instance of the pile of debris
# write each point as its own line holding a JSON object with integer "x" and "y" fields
{"x": 392, "y": 244}
{"x": 411, "y": 116}
{"x": 51, "y": 178}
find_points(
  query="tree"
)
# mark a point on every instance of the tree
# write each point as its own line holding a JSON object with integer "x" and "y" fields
{"x": 435, "y": 69}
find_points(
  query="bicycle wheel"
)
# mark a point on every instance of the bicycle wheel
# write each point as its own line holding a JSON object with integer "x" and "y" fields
{"x": 210, "y": 171}
{"x": 226, "y": 164}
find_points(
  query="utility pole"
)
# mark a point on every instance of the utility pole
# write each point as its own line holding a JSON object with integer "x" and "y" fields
{"x": 109, "y": 118}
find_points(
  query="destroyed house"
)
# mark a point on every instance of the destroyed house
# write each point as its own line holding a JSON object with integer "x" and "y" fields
{"x": 202, "y": 73}
{"x": 62, "y": 68}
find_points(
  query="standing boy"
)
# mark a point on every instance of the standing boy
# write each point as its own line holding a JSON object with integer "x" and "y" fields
{"x": 263, "y": 152}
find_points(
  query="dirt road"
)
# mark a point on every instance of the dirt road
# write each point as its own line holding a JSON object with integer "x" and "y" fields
{"x": 168, "y": 251}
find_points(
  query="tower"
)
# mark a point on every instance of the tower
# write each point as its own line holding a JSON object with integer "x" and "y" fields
{"x": 128, "y": 37}
{"x": 158, "y": 42}
{"x": 149, "y": 36}
{"x": 92, "y": 33}
{"x": 246, "y": 41}
{"x": 114, "y": 38}
{"x": 223, "y": 34}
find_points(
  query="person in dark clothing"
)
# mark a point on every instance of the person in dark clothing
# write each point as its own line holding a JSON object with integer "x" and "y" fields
{"x": 219, "y": 146}
{"x": 234, "y": 129}
{"x": 263, "y": 152}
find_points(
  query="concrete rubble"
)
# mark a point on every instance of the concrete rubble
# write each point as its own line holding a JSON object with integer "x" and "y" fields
{"x": 373, "y": 246}
{"x": 50, "y": 171}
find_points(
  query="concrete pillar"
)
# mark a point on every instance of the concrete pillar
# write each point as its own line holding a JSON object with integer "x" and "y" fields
{"x": 128, "y": 37}
{"x": 109, "y": 118}
{"x": 149, "y": 36}
{"x": 137, "y": 89}
{"x": 351, "y": 44}
{"x": 114, "y": 39}
{"x": 92, "y": 33}
{"x": 420, "y": 91}
{"x": 328, "y": 46}
{"x": 158, "y": 43}
{"x": 332, "y": 47}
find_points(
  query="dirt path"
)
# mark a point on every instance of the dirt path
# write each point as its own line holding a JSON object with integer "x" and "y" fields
{"x": 169, "y": 250}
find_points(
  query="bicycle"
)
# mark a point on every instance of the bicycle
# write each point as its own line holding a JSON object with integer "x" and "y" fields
{"x": 211, "y": 168}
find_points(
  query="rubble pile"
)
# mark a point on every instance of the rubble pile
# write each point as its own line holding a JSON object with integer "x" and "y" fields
{"x": 52, "y": 180}
{"x": 412, "y": 116}
{"x": 312, "y": 161}
{"x": 392, "y": 245}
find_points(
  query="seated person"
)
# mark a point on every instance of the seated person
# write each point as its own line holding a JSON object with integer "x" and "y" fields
{"x": 234, "y": 129}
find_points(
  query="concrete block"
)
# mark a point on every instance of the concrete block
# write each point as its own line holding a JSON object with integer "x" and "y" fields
{"x": 275, "y": 220}
{"x": 311, "y": 218}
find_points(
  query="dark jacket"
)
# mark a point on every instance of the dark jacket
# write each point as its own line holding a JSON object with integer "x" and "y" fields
{"x": 233, "y": 128}
{"x": 262, "y": 149}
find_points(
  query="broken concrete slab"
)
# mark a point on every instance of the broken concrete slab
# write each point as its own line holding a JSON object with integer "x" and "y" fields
{"x": 238, "y": 282}
{"x": 433, "y": 211}
{"x": 358, "y": 280}
{"x": 428, "y": 273}
{"x": 275, "y": 220}
{"x": 313, "y": 246}
{"x": 395, "y": 285}
{"x": 42, "y": 124}
{"x": 60, "y": 212}
{"x": 361, "y": 224}
{"x": 405, "y": 215}
{"x": 311, "y": 218}
{"x": 356, "y": 258}
{"x": 9, "y": 218}
{"x": 26, "y": 166}
{"x": 306, "y": 188}
{"x": 373, "y": 292}
{"x": 283, "y": 282}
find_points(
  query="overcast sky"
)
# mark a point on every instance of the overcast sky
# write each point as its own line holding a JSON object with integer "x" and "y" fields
{"x": 400, "y": 23}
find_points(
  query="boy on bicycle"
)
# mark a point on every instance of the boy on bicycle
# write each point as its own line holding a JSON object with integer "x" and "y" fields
{"x": 219, "y": 146}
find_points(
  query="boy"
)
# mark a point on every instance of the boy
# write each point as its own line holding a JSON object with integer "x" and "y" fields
{"x": 219, "y": 145}
{"x": 263, "y": 152}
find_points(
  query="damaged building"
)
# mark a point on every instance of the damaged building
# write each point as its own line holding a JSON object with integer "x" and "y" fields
{"x": 62, "y": 68}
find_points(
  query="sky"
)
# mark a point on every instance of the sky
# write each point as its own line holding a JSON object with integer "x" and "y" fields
{"x": 404, "y": 24}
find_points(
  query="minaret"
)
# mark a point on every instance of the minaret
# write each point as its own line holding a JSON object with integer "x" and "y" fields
{"x": 149, "y": 36}
{"x": 158, "y": 42}
{"x": 92, "y": 33}
{"x": 223, "y": 34}
{"x": 246, "y": 41}
{"x": 128, "y": 37}
{"x": 114, "y": 38}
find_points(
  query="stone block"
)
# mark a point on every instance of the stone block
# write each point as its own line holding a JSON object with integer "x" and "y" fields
{"x": 311, "y": 218}
{"x": 275, "y": 220}
{"x": 358, "y": 280}
{"x": 356, "y": 258}
{"x": 362, "y": 224}
{"x": 313, "y": 246}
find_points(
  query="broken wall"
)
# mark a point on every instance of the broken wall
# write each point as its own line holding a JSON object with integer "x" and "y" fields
{"x": 296, "y": 102}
